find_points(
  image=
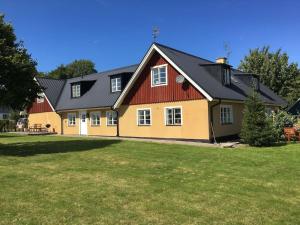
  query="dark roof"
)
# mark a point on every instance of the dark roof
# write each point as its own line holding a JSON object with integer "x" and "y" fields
{"x": 99, "y": 95}
{"x": 4, "y": 109}
{"x": 52, "y": 88}
{"x": 295, "y": 109}
{"x": 196, "y": 68}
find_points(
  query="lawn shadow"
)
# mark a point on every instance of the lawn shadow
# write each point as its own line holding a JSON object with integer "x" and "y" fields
{"x": 24, "y": 149}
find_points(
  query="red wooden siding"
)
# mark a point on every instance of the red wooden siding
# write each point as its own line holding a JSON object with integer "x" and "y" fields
{"x": 143, "y": 93}
{"x": 40, "y": 107}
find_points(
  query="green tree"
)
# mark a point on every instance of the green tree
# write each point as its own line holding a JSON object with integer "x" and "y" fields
{"x": 75, "y": 69}
{"x": 256, "y": 127}
{"x": 275, "y": 71}
{"x": 17, "y": 70}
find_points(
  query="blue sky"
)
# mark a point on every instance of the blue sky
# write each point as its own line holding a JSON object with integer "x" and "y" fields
{"x": 117, "y": 33}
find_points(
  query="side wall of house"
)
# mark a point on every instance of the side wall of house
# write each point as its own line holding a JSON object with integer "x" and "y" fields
{"x": 102, "y": 130}
{"x": 195, "y": 124}
{"x": 44, "y": 118}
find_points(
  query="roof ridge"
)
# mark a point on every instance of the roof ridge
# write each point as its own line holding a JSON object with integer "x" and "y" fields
{"x": 183, "y": 52}
{"x": 50, "y": 78}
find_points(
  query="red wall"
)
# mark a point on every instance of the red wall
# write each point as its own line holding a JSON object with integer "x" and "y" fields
{"x": 143, "y": 93}
{"x": 40, "y": 107}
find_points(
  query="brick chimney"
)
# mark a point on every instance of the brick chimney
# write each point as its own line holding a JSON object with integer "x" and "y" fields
{"x": 222, "y": 60}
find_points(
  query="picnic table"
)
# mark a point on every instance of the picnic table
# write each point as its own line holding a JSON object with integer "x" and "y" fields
{"x": 37, "y": 128}
{"x": 291, "y": 133}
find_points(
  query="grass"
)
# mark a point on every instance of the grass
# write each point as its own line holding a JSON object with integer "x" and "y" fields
{"x": 60, "y": 180}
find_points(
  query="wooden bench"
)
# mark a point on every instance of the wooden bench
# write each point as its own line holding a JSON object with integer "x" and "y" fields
{"x": 37, "y": 128}
{"x": 291, "y": 132}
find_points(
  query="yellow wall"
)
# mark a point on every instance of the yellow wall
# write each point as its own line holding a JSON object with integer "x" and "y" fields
{"x": 195, "y": 123}
{"x": 102, "y": 130}
{"x": 44, "y": 118}
{"x": 227, "y": 129}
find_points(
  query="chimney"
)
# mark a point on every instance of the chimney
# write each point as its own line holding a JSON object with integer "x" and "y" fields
{"x": 222, "y": 60}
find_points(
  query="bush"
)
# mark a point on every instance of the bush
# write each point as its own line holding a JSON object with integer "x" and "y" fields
{"x": 281, "y": 120}
{"x": 257, "y": 128}
{"x": 7, "y": 125}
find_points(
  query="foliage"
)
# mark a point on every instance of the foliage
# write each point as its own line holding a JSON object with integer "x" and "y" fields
{"x": 275, "y": 71}
{"x": 256, "y": 127}
{"x": 282, "y": 119}
{"x": 7, "y": 125}
{"x": 15, "y": 116}
{"x": 17, "y": 69}
{"x": 75, "y": 69}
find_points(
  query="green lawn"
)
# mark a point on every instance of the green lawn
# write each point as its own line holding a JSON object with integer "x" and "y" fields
{"x": 60, "y": 180}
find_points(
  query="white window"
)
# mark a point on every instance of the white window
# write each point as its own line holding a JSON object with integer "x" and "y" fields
{"x": 71, "y": 119}
{"x": 5, "y": 116}
{"x": 226, "y": 114}
{"x": 95, "y": 118}
{"x": 76, "y": 90}
{"x": 144, "y": 117}
{"x": 40, "y": 98}
{"x": 227, "y": 80}
{"x": 159, "y": 75}
{"x": 173, "y": 116}
{"x": 111, "y": 118}
{"x": 116, "y": 84}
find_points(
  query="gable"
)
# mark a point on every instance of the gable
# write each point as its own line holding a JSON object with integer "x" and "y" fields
{"x": 40, "y": 107}
{"x": 142, "y": 92}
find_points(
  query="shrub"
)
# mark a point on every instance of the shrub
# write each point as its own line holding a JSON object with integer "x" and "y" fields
{"x": 281, "y": 120}
{"x": 257, "y": 128}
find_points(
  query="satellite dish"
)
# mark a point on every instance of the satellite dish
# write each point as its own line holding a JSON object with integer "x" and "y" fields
{"x": 180, "y": 79}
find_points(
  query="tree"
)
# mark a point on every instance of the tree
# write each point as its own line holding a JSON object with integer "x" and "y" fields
{"x": 256, "y": 127}
{"x": 275, "y": 71}
{"x": 75, "y": 69}
{"x": 17, "y": 70}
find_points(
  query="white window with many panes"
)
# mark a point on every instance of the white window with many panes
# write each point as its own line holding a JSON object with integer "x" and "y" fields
{"x": 144, "y": 117}
{"x": 111, "y": 118}
{"x": 159, "y": 75}
{"x": 173, "y": 116}
{"x": 116, "y": 84}
{"x": 75, "y": 90}
{"x": 71, "y": 119}
{"x": 226, "y": 114}
{"x": 95, "y": 118}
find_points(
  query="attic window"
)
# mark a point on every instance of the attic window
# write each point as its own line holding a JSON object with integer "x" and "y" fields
{"x": 255, "y": 83}
{"x": 115, "y": 84}
{"x": 227, "y": 76}
{"x": 159, "y": 75}
{"x": 75, "y": 90}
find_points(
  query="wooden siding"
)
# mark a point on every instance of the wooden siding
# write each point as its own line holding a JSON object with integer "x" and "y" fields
{"x": 40, "y": 107}
{"x": 142, "y": 92}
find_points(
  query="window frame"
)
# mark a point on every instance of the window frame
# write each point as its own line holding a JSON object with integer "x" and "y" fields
{"x": 227, "y": 76}
{"x": 107, "y": 119}
{"x": 69, "y": 124}
{"x": 173, "y": 115}
{"x": 91, "y": 119}
{"x": 138, "y": 116}
{"x": 111, "y": 84}
{"x": 5, "y": 116}
{"x": 158, "y": 67}
{"x": 76, "y": 90}
{"x": 230, "y": 117}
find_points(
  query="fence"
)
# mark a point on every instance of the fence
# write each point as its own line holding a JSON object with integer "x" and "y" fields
{"x": 7, "y": 125}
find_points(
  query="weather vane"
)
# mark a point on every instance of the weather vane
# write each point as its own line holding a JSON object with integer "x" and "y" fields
{"x": 155, "y": 33}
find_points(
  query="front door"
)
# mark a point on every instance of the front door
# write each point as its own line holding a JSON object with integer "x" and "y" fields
{"x": 83, "y": 123}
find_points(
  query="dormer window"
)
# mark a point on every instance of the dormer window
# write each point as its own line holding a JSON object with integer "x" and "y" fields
{"x": 227, "y": 76}
{"x": 159, "y": 76}
{"x": 40, "y": 98}
{"x": 116, "y": 84}
{"x": 75, "y": 90}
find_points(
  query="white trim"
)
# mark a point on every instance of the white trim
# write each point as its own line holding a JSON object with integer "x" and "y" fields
{"x": 231, "y": 115}
{"x": 137, "y": 116}
{"x": 87, "y": 109}
{"x": 110, "y": 125}
{"x": 151, "y": 73}
{"x": 142, "y": 65}
{"x": 117, "y": 90}
{"x": 95, "y": 112}
{"x": 73, "y": 113}
{"x": 165, "y": 115}
{"x": 86, "y": 122}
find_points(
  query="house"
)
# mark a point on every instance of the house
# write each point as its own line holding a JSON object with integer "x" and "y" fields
{"x": 295, "y": 109}
{"x": 170, "y": 94}
{"x": 4, "y": 112}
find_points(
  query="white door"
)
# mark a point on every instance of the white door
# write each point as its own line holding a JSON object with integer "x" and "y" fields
{"x": 83, "y": 123}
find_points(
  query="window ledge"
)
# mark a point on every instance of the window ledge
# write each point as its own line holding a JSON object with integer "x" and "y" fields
{"x": 226, "y": 124}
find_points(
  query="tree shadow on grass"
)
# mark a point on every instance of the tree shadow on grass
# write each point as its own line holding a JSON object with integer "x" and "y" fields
{"x": 24, "y": 149}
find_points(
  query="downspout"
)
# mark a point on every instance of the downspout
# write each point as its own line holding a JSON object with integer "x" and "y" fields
{"x": 118, "y": 132}
{"x": 212, "y": 119}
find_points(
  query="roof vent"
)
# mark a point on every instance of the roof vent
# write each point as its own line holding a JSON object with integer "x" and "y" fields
{"x": 222, "y": 60}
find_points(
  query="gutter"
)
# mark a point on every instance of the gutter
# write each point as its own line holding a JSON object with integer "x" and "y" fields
{"x": 118, "y": 126}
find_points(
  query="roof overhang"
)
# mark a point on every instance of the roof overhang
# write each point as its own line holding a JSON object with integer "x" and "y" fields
{"x": 45, "y": 95}
{"x": 142, "y": 65}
